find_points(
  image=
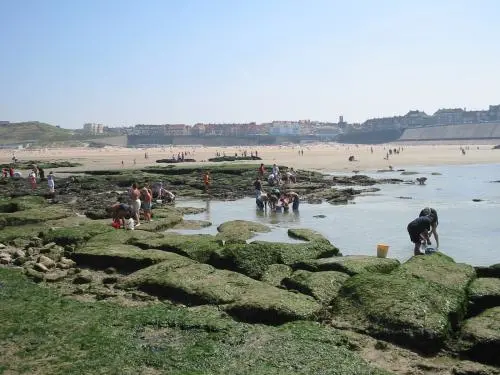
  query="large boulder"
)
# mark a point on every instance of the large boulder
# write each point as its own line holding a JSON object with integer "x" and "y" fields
{"x": 193, "y": 283}
{"x": 238, "y": 231}
{"x": 120, "y": 256}
{"x": 350, "y": 264}
{"x": 417, "y": 305}
{"x": 480, "y": 337}
{"x": 483, "y": 294}
{"x": 323, "y": 286}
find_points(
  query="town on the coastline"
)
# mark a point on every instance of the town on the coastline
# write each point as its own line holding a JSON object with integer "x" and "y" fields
{"x": 412, "y": 119}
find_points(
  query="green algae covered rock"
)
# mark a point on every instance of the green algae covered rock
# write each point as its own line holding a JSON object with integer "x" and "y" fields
{"x": 415, "y": 305}
{"x": 159, "y": 338}
{"x": 238, "y": 231}
{"x": 195, "y": 284}
{"x": 306, "y": 234}
{"x": 253, "y": 259}
{"x": 120, "y": 256}
{"x": 440, "y": 269}
{"x": 350, "y": 264}
{"x": 121, "y": 236}
{"x": 10, "y": 205}
{"x": 192, "y": 224}
{"x": 158, "y": 225}
{"x": 275, "y": 274}
{"x": 33, "y": 216}
{"x": 75, "y": 235}
{"x": 9, "y": 234}
{"x": 323, "y": 286}
{"x": 480, "y": 337}
{"x": 483, "y": 294}
{"x": 199, "y": 247}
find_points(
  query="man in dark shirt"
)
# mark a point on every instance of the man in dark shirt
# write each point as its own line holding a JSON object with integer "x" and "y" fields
{"x": 431, "y": 211}
{"x": 418, "y": 230}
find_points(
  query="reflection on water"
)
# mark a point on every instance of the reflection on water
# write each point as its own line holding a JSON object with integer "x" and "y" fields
{"x": 469, "y": 231}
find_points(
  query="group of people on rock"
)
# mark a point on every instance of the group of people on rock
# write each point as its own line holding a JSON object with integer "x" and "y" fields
{"x": 275, "y": 178}
{"x": 34, "y": 175}
{"x": 140, "y": 200}
{"x": 421, "y": 229}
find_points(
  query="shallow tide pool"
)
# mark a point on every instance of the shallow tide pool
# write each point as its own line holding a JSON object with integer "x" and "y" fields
{"x": 469, "y": 231}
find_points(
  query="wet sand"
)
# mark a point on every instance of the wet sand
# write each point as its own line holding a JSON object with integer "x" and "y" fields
{"x": 321, "y": 157}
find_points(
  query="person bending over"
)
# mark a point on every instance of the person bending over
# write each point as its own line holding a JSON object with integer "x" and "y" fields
{"x": 431, "y": 211}
{"x": 418, "y": 230}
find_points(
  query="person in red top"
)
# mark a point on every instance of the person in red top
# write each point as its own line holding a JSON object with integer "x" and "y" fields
{"x": 11, "y": 172}
{"x": 262, "y": 169}
{"x": 4, "y": 172}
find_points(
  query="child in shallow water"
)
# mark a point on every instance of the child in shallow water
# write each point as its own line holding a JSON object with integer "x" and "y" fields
{"x": 418, "y": 230}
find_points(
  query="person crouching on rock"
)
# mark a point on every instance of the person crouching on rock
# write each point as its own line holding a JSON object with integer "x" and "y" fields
{"x": 427, "y": 211}
{"x": 136, "y": 203}
{"x": 418, "y": 230}
{"x": 119, "y": 212}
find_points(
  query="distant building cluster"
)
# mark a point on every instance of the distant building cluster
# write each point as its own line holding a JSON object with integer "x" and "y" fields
{"x": 445, "y": 116}
{"x": 413, "y": 119}
{"x": 94, "y": 129}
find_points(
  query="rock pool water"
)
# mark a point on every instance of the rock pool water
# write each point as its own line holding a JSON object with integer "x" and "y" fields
{"x": 469, "y": 231}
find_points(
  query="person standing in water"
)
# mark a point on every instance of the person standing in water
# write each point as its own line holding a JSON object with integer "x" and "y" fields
{"x": 258, "y": 187}
{"x": 431, "y": 211}
{"x": 294, "y": 198}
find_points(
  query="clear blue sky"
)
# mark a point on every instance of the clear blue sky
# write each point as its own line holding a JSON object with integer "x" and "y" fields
{"x": 122, "y": 62}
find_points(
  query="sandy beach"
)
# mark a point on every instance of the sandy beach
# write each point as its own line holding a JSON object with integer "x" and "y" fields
{"x": 321, "y": 157}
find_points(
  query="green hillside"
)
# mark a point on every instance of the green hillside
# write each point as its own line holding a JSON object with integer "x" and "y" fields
{"x": 33, "y": 131}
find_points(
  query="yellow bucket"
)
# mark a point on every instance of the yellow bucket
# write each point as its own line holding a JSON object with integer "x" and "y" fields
{"x": 382, "y": 250}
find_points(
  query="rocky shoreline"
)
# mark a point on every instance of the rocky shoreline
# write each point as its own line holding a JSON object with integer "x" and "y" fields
{"x": 428, "y": 315}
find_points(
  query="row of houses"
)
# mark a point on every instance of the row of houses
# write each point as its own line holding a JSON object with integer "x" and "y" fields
{"x": 412, "y": 119}
{"x": 444, "y": 116}
{"x": 276, "y": 128}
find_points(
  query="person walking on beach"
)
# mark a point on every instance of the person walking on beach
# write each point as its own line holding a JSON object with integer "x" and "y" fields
{"x": 51, "y": 183}
{"x": 136, "y": 203}
{"x": 418, "y": 230}
{"x": 427, "y": 211}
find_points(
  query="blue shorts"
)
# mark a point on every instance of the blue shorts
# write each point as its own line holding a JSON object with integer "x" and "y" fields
{"x": 146, "y": 206}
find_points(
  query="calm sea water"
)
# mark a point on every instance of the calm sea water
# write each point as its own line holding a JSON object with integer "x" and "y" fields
{"x": 469, "y": 231}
